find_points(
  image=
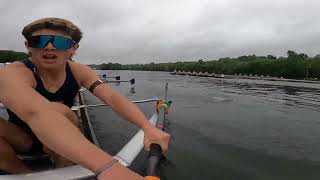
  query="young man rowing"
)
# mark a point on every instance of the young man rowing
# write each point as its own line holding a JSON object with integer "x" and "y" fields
{"x": 38, "y": 93}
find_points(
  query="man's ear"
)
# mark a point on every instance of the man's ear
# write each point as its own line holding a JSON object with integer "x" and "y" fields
{"x": 75, "y": 47}
{"x": 26, "y": 44}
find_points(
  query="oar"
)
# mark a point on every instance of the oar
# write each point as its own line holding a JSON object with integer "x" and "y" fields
{"x": 75, "y": 108}
{"x": 154, "y": 161}
{"x": 116, "y": 77}
{"x": 155, "y": 154}
{"x": 132, "y": 81}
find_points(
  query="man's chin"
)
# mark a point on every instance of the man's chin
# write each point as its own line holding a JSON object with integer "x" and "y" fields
{"x": 49, "y": 61}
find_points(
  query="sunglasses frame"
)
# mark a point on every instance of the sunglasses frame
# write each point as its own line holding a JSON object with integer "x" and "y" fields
{"x": 53, "y": 39}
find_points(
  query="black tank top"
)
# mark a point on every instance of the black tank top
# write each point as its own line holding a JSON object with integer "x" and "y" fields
{"x": 65, "y": 94}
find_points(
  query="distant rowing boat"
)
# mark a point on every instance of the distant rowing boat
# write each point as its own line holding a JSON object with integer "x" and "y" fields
{"x": 199, "y": 74}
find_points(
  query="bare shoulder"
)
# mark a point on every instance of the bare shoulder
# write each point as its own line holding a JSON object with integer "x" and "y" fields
{"x": 15, "y": 65}
{"x": 17, "y": 71}
{"x": 83, "y": 73}
{"x": 75, "y": 66}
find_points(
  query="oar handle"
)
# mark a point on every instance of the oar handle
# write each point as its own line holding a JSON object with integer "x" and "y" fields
{"x": 153, "y": 163}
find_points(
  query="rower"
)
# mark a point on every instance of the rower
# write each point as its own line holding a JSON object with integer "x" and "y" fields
{"x": 38, "y": 93}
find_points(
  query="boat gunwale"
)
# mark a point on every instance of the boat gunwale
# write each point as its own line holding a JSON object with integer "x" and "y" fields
{"x": 87, "y": 127}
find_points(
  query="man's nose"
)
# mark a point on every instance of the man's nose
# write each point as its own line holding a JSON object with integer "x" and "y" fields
{"x": 49, "y": 46}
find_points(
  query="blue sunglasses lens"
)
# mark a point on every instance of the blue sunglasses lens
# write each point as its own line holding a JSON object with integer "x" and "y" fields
{"x": 62, "y": 42}
{"x": 59, "y": 42}
{"x": 39, "y": 41}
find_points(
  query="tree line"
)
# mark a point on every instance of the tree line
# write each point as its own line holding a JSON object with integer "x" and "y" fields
{"x": 11, "y": 56}
{"x": 295, "y": 65}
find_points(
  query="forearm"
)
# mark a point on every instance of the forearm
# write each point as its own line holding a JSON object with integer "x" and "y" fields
{"x": 131, "y": 112}
{"x": 117, "y": 102}
{"x": 60, "y": 135}
{"x": 134, "y": 115}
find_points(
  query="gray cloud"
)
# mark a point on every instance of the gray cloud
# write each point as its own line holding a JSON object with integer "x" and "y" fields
{"x": 143, "y": 31}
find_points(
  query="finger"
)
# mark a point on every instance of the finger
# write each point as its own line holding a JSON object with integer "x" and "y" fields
{"x": 165, "y": 143}
{"x": 164, "y": 148}
{"x": 146, "y": 143}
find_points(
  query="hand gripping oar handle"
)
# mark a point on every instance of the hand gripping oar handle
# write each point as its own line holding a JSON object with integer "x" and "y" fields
{"x": 155, "y": 154}
{"x": 153, "y": 163}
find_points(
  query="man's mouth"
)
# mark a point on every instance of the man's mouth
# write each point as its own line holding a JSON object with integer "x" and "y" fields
{"x": 49, "y": 56}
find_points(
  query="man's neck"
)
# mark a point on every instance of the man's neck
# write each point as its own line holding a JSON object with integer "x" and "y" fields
{"x": 50, "y": 74}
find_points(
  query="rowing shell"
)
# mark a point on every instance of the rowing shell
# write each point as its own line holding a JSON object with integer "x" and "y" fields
{"x": 125, "y": 156}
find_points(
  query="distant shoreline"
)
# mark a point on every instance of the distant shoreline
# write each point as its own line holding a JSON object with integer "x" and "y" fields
{"x": 251, "y": 77}
{"x": 279, "y": 79}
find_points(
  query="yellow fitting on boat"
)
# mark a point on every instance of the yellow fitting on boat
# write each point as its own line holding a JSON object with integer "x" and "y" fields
{"x": 163, "y": 104}
{"x": 151, "y": 178}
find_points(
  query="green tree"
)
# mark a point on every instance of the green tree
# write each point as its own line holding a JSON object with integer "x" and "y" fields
{"x": 271, "y": 57}
{"x": 292, "y": 55}
{"x": 295, "y": 65}
{"x": 11, "y": 56}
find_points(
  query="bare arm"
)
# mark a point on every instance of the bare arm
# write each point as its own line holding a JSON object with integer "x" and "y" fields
{"x": 52, "y": 128}
{"x": 120, "y": 104}
{"x": 124, "y": 108}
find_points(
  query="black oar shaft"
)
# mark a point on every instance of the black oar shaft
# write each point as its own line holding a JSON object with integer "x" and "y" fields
{"x": 116, "y": 77}
{"x": 155, "y": 154}
{"x": 153, "y": 163}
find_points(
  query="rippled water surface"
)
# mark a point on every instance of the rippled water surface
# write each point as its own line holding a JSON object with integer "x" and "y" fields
{"x": 225, "y": 128}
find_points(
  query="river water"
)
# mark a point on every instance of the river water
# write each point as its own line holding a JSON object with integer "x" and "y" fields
{"x": 224, "y": 128}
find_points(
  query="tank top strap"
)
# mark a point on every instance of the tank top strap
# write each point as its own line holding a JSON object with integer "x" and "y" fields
{"x": 32, "y": 68}
{"x": 68, "y": 70}
{"x": 29, "y": 65}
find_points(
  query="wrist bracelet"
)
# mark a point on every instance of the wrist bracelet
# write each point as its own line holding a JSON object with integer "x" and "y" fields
{"x": 105, "y": 167}
{"x": 95, "y": 84}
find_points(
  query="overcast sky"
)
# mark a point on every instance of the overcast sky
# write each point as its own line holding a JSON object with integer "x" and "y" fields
{"x": 143, "y": 31}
